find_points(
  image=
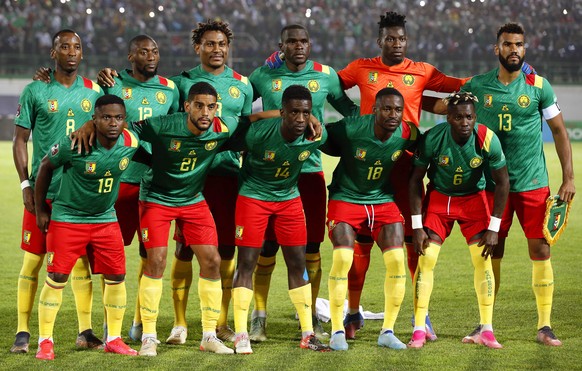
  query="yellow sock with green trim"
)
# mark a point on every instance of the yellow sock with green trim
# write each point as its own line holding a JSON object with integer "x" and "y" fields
{"x": 543, "y": 288}
{"x": 394, "y": 285}
{"x": 484, "y": 282}
{"x": 137, "y": 312}
{"x": 313, "y": 266}
{"x": 82, "y": 287}
{"x": 115, "y": 302}
{"x": 27, "y": 286}
{"x": 337, "y": 282}
{"x": 301, "y": 299}
{"x": 496, "y": 265}
{"x": 262, "y": 280}
{"x": 241, "y": 301}
{"x": 226, "y": 275}
{"x": 424, "y": 281}
{"x": 210, "y": 294}
{"x": 150, "y": 293}
{"x": 49, "y": 303}
{"x": 181, "y": 280}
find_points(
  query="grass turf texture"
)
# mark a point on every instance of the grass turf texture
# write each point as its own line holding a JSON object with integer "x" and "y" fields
{"x": 453, "y": 310}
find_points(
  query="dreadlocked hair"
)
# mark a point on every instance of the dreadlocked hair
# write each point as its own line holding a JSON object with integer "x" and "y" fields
{"x": 391, "y": 19}
{"x": 460, "y": 98}
{"x": 211, "y": 25}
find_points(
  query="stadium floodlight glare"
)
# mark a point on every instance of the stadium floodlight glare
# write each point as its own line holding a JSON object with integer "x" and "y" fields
{"x": 308, "y": 13}
{"x": 422, "y": 3}
{"x": 565, "y": 11}
{"x": 89, "y": 11}
{"x": 470, "y": 30}
{"x": 152, "y": 14}
{"x": 63, "y": 1}
{"x": 121, "y": 9}
{"x": 161, "y": 8}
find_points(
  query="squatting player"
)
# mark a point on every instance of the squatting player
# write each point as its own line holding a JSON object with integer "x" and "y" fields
{"x": 456, "y": 154}
{"x": 361, "y": 201}
{"x": 51, "y": 111}
{"x": 83, "y": 220}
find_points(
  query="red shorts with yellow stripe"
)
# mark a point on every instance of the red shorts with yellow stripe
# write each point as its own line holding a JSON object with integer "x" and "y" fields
{"x": 33, "y": 239}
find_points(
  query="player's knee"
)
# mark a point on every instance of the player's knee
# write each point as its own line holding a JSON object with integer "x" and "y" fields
{"x": 142, "y": 251}
{"x": 312, "y": 247}
{"x": 58, "y": 277}
{"x": 226, "y": 252}
{"x": 183, "y": 252}
{"x": 427, "y": 261}
{"x": 269, "y": 249}
{"x": 115, "y": 278}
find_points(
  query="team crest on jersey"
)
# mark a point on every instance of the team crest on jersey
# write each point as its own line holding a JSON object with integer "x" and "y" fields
{"x": 459, "y": 169}
{"x": 313, "y": 86}
{"x": 26, "y": 237}
{"x": 488, "y": 100}
{"x": 123, "y": 163}
{"x": 107, "y": 173}
{"x": 145, "y": 235}
{"x": 127, "y": 93}
{"x": 234, "y": 92}
{"x": 396, "y": 155}
{"x": 238, "y": 232}
{"x": 53, "y": 105}
{"x": 175, "y": 145}
{"x": 161, "y": 97}
{"x": 475, "y": 162}
{"x": 70, "y": 112}
{"x": 372, "y": 77}
{"x": 360, "y": 154}
{"x": 90, "y": 167}
{"x": 55, "y": 149}
{"x": 86, "y": 105}
{"x": 408, "y": 80}
{"x": 269, "y": 156}
{"x": 304, "y": 155}
{"x": 276, "y": 85}
{"x": 523, "y": 101}
{"x": 505, "y": 108}
{"x": 444, "y": 160}
{"x": 50, "y": 258}
{"x": 145, "y": 101}
{"x": 209, "y": 146}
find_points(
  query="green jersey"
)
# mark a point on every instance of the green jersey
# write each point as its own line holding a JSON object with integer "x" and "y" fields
{"x": 321, "y": 80}
{"x": 157, "y": 96}
{"x": 272, "y": 165}
{"x": 514, "y": 112}
{"x": 90, "y": 181}
{"x": 180, "y": 159}
{"x": 52, "y": 111}
{"x": 456, "y": 170}
{"x": 235, "y": 98}
{"x": 362, "y": 175}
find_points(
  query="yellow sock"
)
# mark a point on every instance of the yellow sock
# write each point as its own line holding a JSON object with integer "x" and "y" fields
{"x": 484, "y": 282}
{"x": 181, "y": 282}
{"x": 241, "y": 301}
{"x": 226, "y": 276}
{"x": 313, "y": 266}
{"x": 115, "y": 302}
{"x": 424, "y": 280}
{"x": 137, "y": 313}
{"x": 337, "y": 283}
{"x": 301, "y": 299}
{"x": 150, "y": 293}
{"x": 51, "y": 298}
{"x": 394, "y": 285}
{"x": 210, "y": 294}
{"x": 543, "y": 287}
{"x": 27, "y": 286}
{"x": 82, "y": 287}
{"x": 103, "y": 296}
{"x": 496, "y": 265}
{"x": 262, "y": 280}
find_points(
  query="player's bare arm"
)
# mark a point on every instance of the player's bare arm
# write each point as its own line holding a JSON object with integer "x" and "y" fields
{"x": 84, "y": 137}
{"x": 419, "y": 236}
{"x": 43, "y": 181}
{"x": 489, "y": 239}
{"x": 564, "y": 150}
{"x": 20, "y": 156}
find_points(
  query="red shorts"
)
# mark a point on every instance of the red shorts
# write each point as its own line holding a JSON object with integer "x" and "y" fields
{"x": 33, "y": 239}
{"x": 220, "y": 193}
{"x": 194, "y": 221}
{"x": 252, "y": 216}
{"x": 399, "y": 177}
{"x": 365, "y": 219}
{"x": 127, "y": 209}
{"x": 470, "y": 211}
{"x": 313, "y": 195}
{"x": 530, "y": 208}
{"x": 101, "y": 242}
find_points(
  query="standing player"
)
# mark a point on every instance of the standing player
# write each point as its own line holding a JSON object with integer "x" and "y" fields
{"x": 51, "y": 111}
{"x": 361, "y": 201}
{"x": 513, "y": 105}
{"x": 456, "y": 155}
{"x": 323, "y": 83}
{"x": 83, "y": 221}
{"x": 276, "y": 151}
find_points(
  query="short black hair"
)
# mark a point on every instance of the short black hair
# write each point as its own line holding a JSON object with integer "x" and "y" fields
{"x": 511, "y": 27}
{"x": 293, "y": 27}
{"x": 202, "y": 88}
{"x": 295, "y": 92}
{"x": 60, "y": 32}
{"x": 391, "y": 19}
{"x": 387, "y": 91}
{"x": 108, "y": 99}
{"x": 133, "y": 42}
{"x": 211, "y": 25}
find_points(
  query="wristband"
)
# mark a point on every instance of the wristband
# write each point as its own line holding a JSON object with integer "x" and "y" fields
{"x": 24, "y": 184}
{"x": 416, "y": 221}
{"x": 494, "y": 224}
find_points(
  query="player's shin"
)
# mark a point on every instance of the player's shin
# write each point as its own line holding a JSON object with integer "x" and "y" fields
{"x": 424, "y": 283}
{"x": 241, "y": 301}
{"x": 357, "y": 274}
{"x": 313, "y": 266}
{"x": 181, "y": 279}
{"x": 343, "y": 257}
{"x": 49, "y": 303}
{"x": 210, "y": 294}
{"x": 27, "y": 286}
{"x": 394, "y": 285}
{"x": 543, "y": 287}
{"x": 137, "y": 314}
{"x": 301, "y": 299}
{"x": 262, "y": 282}
{"x": 115, "y": 302}
{"x": 82, "y": 287}
{"x": 484, "y": 282}
{"x": 150, "y": 293}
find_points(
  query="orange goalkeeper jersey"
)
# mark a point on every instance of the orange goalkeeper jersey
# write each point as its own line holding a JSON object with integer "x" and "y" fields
{"x": 409, "y": 78}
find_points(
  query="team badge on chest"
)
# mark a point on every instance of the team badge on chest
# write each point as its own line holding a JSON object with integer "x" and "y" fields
{"x": 304, "y": 155}
{"x": 360, "y": 154}
{"x": 276, "y": 85}
{"x": 86, "y": 105}
{"x": 408, "y": 80}
{"x": 313, "y": 86}
{"x": 161, "y": 97}
{"x": 269, "y": 156}
{"x": 523, "y": 101}
{"x": 234, "y": 92}
{"x": 127, "y": 93}
{"x": 90, "y": 167}
{"x": 175, "y": 145}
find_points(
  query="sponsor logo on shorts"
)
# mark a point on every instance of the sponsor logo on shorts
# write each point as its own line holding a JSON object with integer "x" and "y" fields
{"x": 209, "y": 146}
{"x": 372, "y": 77}
{"x": 55, "y": 149}
{"x": 50, "y": 257}
{"x": 304, "y": 155}
{"x": 234, "y": 92}
{"x": 26, "y": 235}
{"x": 53, "y": 105}
{"x": 276, "y": 85}
{"x": 523, "y": 101}
{"x": 127, "y": 93}
{"x": 444, "y": 160}
{"x": 269, "y": 156}
{"x": 476, "y": 162}
{"x": 313, "y": 86}
{"x": 145, "y": 235}
{"x": 408, "y": 80}
{"x": 161, "y": 97}
{"x": 123, "y": 163}
{"x": 86, "y": 105}
{"x": 488, "y": 100}
{"x": 360, "y": 154}
{"x": 175, "y": 145}
{"x": 90, "y": 167}
{"x": 396, "y": 155}
{"x": 238, "y": 233}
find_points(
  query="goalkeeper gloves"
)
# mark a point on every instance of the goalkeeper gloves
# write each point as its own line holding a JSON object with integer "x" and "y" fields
{"x": 276, "y": 60}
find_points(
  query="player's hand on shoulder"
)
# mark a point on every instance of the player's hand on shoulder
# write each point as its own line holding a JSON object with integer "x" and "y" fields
{"x": 84, "y": 137}
{"x": 275, "y": 60}
{"x": 105, "y": 77}
{"x": 42, "y": 74}
{"x": 528, "y": 69}
{"x": 315, "y": 129}
{"x": 28, "y": 199}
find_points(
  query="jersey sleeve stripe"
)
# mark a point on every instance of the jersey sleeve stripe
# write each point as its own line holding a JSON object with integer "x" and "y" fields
{"x": 482, "y": 133}
{"x": 91, "y": 85}
{"x": 166, "y": 82}
{"x": 129, "y": 140}
{"x": 551, "y": 111}
{"x": 534, "y": 80}
{"x": 240, "y": 77}
{"x": 321, "y": 68}
{"x": 219, "y": 126}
